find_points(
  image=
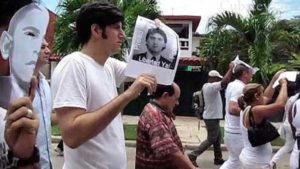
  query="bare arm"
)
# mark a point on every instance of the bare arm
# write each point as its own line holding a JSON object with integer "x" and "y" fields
{"x": 263, "y": 111}
{"x": 234, "y": 108}
{"x": 76, "y": 120}
{"x": 182, "y": 161}
{"x": 268, "y": 93}
{"x": 227, "y": 76}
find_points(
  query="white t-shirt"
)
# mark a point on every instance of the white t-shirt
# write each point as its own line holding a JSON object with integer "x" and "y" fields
{"x": 79, "y": 81}
{"x": 288, "y": 105}
{"x": 212, "y": 99}
{"x": 233, "y": 92}
{"x": 296, "y": 123}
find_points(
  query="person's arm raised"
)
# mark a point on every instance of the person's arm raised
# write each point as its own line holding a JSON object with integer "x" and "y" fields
{"x": 227, "y": 76}
{"x": 76, "y": 120}
{"x": 268, "y": 93}
{"x": 263, "y": 111}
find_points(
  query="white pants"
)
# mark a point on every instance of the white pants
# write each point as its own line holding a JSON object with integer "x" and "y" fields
{"x": 252, "y": 165}
{"x": 294, "y": 159}
{"x": 234, "y": 145}
{"x": 256, "y": 162}
{"x": 288, "y": 144}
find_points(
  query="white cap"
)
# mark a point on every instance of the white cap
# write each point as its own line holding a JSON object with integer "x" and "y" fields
{"x": 214, "y": 73}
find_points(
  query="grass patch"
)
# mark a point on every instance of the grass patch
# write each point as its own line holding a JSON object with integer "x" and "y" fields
{"x": 55, "y": 131}
{"x": 222, "y": 135}
{"x": 130, "y": 134}
{"x": 130, "y": 131}
{"x": 277, "y": 142}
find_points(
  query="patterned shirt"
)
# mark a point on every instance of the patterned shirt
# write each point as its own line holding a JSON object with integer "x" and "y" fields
{"x": 157, "y": 138}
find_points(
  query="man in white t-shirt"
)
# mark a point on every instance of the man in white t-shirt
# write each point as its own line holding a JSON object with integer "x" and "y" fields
{"x": 213, "y": 112}
{"x": 232, "y": 134}
{"x": 84, "y": 86}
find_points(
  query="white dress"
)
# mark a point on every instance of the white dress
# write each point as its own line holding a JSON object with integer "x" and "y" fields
{"x": 253, "y": 157}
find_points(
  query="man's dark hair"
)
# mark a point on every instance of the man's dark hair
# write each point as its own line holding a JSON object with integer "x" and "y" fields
{"x": 239, "y": 69}
{"x": 9, "y": 7}
{"x": 160, "y": 89}
{"x": 100, "y": 13}
{"x": 156, "y": 30}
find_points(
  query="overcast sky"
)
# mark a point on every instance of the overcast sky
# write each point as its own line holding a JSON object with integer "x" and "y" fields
{"x": 208, "y": 8}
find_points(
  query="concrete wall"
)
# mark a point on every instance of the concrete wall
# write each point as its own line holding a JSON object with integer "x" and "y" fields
{"x": 195, "y": 43}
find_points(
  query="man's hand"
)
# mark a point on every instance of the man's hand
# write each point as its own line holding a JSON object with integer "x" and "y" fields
{"x": 22, "y": 125}
{"x": 231, "y": 65}
{"x": 157, "y": 22}
{"x": 21, "y": 128}
{"x": 140, "y": 83}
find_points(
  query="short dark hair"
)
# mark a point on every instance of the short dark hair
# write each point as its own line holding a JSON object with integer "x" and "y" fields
{"x": 156, "y": 30}
{"x": 239, "y": 69}
{"x": 160, "y": 89}
{"x": 100, "y": 13}
{"x": 9, "y": 7}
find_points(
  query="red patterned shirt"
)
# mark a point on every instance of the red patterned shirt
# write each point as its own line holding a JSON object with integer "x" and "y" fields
{"x": 157, "y": 138}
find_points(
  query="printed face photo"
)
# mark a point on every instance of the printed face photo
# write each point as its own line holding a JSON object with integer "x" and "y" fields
{"x": 24, "y": 38}
{"x": 155, "y": 50}
{"x": 155, "y": 44}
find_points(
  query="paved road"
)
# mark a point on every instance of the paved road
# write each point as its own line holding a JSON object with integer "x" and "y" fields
{"x": 205, "y": 160}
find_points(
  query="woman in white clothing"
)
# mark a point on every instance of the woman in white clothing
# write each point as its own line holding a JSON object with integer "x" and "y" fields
{"x": 255, "y": 100}
{"x": 285, "y": 133}
{"x": 295, "y": 122}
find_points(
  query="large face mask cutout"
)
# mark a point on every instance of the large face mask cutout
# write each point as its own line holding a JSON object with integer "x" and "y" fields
{"x": 22, "y": 43}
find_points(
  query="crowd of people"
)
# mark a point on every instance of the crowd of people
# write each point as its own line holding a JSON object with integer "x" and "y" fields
{"x": 87, "y": 106}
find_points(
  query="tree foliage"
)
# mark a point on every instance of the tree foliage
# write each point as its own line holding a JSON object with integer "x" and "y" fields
{"x": 221, "y": 47}
{"x": 286, "y": 40}
{"x": 255, "y": 32}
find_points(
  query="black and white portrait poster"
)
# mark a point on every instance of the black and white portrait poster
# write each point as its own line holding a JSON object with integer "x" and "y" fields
{"x": 154, "y": 50}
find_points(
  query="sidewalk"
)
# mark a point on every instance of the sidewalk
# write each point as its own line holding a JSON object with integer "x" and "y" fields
{"x": 190, "y": 129}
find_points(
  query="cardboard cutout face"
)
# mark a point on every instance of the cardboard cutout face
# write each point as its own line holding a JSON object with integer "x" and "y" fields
{"x": 22, "y": 43}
